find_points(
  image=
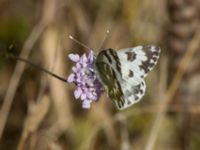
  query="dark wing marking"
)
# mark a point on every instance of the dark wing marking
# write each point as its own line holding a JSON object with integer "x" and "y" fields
{"x": 133, "y": 93}
{"x": 109, "y": 69}
{"x": 131, "y": 56}
{"x": 111, "y": 84}
{"x": 152, "y": 53}
{"x": 122, "y": 72}
{"x": 140, "y": 60}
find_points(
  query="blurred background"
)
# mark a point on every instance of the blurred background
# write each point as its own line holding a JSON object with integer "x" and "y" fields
{"x": 39, "y": 112}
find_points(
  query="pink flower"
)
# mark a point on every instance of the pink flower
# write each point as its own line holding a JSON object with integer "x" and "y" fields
{"x": 84, "y": 76}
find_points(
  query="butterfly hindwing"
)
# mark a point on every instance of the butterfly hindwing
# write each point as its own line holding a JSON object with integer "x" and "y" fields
{"x": 133, "y": 93}
{"x": 122, "y": 72}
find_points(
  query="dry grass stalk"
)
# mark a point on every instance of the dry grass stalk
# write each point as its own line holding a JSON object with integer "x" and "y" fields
{"x": 18, "y": 71}
{"x": 58, "y": 92}
{"x": 183, "y": 66}
{"x": 34, "y": 119}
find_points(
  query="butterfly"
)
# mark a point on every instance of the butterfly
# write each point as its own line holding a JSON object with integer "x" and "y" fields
{"x": 122, "y": 72}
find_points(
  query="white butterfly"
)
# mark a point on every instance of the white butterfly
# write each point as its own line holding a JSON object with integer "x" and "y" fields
{"x": 122, "y": 72}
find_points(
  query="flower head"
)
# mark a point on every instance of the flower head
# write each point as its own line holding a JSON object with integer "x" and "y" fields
{"x": 83, "y": 75}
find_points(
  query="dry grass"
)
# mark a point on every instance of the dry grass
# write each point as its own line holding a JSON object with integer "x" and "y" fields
{"x": 40, "y": 112}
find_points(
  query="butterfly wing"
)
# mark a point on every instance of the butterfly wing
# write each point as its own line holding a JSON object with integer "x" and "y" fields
{"x": 122, "y": 73}
{"x": 138, "y": 61}
{"x": 109, "y": 73}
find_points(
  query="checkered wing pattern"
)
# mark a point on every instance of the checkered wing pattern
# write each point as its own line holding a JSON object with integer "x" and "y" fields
{"x": 122, "y": 72}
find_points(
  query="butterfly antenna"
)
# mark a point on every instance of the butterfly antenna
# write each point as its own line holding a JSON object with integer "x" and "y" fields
{"x": 78, "y": 42}
{"x": 104, "y": 38}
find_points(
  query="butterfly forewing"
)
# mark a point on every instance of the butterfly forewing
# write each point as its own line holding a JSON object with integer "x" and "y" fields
{"x": 110, "y": 76}
{"x": 139, "y": 60}
{"x": 122, "y": 72}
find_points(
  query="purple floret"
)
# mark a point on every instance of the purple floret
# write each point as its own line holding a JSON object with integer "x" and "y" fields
{"x": 84, "y": 76}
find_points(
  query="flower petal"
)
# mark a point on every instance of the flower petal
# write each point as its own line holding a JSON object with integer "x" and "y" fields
{"x": 77, "y": 93}
{"x": 74, "y": 69}
{"x": 83, "y": 59}
{"x": 70, "y": 79}
{"x": 74, "y": 57}
{"x": 88, "y": 86}
{"x": 83, "y": 96}
{"x": 78, "y": 66}
{"x": 86, "y": 104}
{"x": 91, "y": 96}
{"x": 91, "y": 57}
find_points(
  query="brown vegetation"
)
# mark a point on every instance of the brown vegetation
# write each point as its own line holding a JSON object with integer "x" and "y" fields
{"x": 39, "y": 112}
